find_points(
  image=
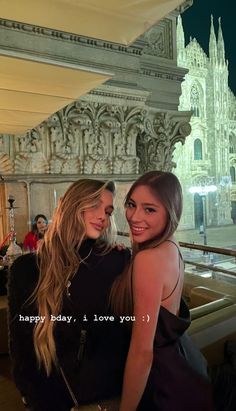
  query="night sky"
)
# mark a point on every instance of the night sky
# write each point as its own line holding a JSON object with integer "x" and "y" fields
{"x": 196, "y": 23}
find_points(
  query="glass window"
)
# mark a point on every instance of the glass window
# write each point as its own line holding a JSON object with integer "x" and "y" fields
{"x": 232, "y": 174}
{"x": 194, "y": 101}
{"x": 197, "y": 149}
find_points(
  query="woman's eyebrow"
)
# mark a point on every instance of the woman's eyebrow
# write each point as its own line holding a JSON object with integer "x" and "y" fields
{"x": 145, "y": 204}
{"x": 150, "y": 204}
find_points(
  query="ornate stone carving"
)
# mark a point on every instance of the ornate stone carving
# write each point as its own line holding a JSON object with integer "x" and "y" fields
{"x": 29, "y": 157}
{"x": 93, "y": 138}
{"x": 155, "y": 40}
{"x": 158, "y": 40}
{"x": 156, "y": 142}
{"x": 64, "y": 137}
{"x": 5, "y": 162}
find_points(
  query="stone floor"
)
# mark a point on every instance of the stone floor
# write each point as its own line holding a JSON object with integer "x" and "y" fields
{"x": 223, "y": 236}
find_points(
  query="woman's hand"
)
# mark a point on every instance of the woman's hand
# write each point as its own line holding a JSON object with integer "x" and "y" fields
{"x": 119, "y": 246}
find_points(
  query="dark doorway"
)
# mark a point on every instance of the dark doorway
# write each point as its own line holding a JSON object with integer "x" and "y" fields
{"x": 198, "y": 210}
{"x": 233, "y": 211}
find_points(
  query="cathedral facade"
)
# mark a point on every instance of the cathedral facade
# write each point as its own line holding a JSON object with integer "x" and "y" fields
{"x": 206, "y": 163}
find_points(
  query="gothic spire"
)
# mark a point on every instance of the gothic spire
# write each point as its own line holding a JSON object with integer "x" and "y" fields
{"x": 180, "y": 39}
{"x": 212, "y": 44}
{"x": 221, "y": 44}
{"x": 180, "y": 34}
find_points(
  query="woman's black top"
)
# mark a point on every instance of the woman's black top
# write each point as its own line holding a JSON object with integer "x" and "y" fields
{"x": 178, "y": 379}
{"x": 91, "y": 343}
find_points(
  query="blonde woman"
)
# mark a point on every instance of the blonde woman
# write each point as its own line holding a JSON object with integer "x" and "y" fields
{"x": 164, "y": 371}
{"x": 67, "y": 348}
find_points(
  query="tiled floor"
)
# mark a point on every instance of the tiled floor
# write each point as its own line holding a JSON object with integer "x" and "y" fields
{"x": 10, "y": 399}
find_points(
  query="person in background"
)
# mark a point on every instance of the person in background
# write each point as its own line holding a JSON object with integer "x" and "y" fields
{"x": 39, "y": 226}
{"x": 164, "y": 371}
{"x": 67, "y": 348}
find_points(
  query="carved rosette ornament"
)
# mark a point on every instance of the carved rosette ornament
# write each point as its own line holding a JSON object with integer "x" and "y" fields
{"x": 156, "y": 142}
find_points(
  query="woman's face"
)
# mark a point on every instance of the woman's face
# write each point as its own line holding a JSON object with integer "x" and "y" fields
{"x": 97, "y": 218}
{"x": 41, "y": 225}
{"x": 146, "y": 216}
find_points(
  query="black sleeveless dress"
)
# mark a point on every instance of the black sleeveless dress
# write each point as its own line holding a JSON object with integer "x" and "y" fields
{"x": 178, "y": 379}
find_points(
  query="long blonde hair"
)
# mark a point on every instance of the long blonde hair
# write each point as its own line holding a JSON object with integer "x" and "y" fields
{"x": 59, "y": 259}
{"x": 166, "y": 187}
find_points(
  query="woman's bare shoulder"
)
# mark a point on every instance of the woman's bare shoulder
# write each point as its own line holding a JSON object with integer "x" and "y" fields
{"x": 158, "y": 259}
{"x": 152, "y": 252}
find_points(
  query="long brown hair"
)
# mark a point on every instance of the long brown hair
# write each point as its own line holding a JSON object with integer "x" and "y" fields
{"x": 166, "y": 187}
{"x": 35, "y": 220}
{"x": 59, "y": 259}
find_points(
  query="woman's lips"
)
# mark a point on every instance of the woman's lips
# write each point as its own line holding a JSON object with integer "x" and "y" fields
{"x": 137, "y": 230}
{"x": 97, "y": 226}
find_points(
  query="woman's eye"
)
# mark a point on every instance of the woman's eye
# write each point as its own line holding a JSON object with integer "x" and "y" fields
{"x": 129, "y": 204}
{"x": 109, "y": 213}
{"x": 150, "y": 210}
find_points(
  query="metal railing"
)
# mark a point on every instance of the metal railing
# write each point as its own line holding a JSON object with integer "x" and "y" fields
{"x": 206, "y": 250}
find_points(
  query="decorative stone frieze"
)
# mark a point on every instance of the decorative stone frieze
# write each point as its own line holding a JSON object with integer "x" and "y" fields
{"x": 91, "y": 138}
{"x": 95, "y": 139}
{"x": 67, "y": 37}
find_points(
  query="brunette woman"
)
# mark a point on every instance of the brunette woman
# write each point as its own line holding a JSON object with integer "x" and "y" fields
{"x": 39, "y": 226}
{"x": 164, "y": 371}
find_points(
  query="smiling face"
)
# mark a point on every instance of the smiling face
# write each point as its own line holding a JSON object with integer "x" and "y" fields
{"x": 146, "y": 216}
{"x": 97, "y": 218}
